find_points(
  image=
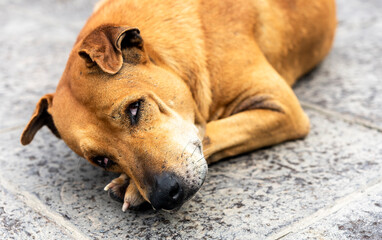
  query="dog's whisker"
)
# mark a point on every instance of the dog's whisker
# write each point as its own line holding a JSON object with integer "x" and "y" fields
{"x": 194, "y": 151}
{"x": 196, "y": 166}
{"x": 185, "y": 148}
{"x": 206, "y": 149}
{"x": 200, "y": 159}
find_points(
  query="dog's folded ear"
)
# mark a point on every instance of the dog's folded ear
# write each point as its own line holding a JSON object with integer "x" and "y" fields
{"x": 104, "y": 46}
{"x": 40, "y": 118}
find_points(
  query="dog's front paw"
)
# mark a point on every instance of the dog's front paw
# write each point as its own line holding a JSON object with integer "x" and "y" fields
{"x": 123, "y": 190}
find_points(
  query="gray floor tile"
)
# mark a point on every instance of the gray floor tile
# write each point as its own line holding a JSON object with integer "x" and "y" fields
{"x": 19, "y": 221}
{"x": 361, "y": 219}
{"x": 254, "y": 195}
{"x": 349, "y": 80}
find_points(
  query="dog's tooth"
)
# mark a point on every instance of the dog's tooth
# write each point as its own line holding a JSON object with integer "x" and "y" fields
{"x": 125, "y": 206}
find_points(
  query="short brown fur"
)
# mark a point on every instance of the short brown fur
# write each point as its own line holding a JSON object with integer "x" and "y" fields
{"x": 218, "y": 70}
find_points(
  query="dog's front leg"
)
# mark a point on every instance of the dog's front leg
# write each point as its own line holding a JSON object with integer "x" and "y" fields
{"x": 123, "y": 190}
{"x": 263, "y": 118}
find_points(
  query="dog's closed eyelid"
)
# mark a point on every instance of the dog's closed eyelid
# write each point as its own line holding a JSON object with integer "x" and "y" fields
{"x": 102, "y": 161}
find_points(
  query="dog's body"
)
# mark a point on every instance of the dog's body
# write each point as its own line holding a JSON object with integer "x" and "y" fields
{"x": 141, "y": 101}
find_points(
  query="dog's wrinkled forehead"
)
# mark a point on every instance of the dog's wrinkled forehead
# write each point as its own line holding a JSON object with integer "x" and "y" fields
{"x": 95, "y": 88}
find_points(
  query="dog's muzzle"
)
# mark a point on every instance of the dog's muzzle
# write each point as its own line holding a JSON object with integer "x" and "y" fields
{"x": 171, "y": 191}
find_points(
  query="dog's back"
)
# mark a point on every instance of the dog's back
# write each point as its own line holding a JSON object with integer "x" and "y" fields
{"x": 303, "y": 33}
{"x": 294, "y": 35}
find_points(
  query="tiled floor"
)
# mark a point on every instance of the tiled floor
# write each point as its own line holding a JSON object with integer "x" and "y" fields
{"x": 328, "y": 186}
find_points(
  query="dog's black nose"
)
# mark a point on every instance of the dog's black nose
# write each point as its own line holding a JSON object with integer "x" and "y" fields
{"x": 167, "y": 193}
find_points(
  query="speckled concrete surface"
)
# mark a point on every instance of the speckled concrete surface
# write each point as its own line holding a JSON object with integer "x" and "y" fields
{"x": 327, "y": 186}
{"x": 19, "y": 221}
{"x": 361, "y": 219}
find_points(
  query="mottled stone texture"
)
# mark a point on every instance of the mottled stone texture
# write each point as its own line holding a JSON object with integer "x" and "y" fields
{"x": 19, "y": 221}
{"x": 362, "y": 219}
{"x": 328, "y": 186}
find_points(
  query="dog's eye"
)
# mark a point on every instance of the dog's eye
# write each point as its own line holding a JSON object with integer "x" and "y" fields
{"x": 133, "y": 112}
{"x": 102, "y": 161}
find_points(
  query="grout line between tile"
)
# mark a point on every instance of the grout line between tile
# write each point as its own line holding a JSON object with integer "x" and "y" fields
{"x": 326, "y": 211}
{"x": 345, "y": 117}
{"x": 38, "y": 206}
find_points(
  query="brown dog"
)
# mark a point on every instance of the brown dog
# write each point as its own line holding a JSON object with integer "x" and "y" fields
{"x": 149, "y": 82}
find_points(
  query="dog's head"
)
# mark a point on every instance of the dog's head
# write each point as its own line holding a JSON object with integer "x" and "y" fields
{"x": 122, "y": 111}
